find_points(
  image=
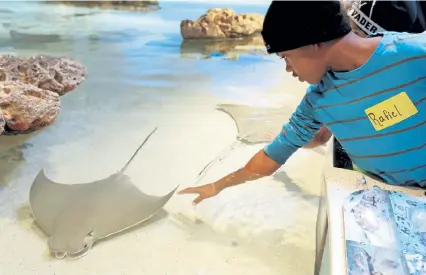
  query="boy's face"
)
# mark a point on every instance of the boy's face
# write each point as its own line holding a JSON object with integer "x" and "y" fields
{"x": 306, "y": 63}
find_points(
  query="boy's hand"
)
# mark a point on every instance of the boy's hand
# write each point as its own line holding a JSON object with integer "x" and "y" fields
{"x": 260, "y": 165}
{"x": 203, "y": 191}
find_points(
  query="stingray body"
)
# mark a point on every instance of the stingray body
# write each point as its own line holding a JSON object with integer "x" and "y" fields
{"x": 75, "y": 216}
{"x": 256, "y": 124}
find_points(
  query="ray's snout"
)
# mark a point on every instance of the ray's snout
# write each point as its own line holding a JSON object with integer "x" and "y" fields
{"x": 71, "y": 248}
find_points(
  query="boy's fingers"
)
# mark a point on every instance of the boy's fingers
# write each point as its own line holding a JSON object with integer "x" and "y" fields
{"x": 198, "y": 200}
{"x": 189, "y": 190}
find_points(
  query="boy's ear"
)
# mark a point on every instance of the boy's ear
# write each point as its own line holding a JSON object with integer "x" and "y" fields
{"x": 314, "y": 49}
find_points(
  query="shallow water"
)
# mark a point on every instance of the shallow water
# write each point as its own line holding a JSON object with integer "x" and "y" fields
{"x": 141, "y": 76}
{"x": 137, "y": 74}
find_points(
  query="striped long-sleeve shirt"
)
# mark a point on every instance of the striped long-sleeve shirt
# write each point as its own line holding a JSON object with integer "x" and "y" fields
{"x": 377, "y": 112}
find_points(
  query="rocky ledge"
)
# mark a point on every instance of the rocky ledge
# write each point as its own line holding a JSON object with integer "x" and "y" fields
{"x": 222, "y": 23}
{"x": 136, "y": 5}
{"x": 30, "y": 90}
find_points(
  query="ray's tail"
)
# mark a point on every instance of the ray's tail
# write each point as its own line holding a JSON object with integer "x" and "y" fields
{"x": 218, "y": 159}
{"x": 137, "y": 150}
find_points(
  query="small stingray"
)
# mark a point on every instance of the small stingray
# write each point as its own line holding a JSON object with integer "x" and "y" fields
{"x": 256, "y": 124}
{"x": 75, "y": 216}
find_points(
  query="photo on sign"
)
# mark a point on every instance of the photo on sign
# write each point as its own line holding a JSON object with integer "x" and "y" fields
{"x": 368, "y": 218}
{"x": 368, "y": 259}
{"x": 410, "y": 220}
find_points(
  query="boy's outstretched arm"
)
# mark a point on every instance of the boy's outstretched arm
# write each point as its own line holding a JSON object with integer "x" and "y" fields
{"x": 298, "y": 132}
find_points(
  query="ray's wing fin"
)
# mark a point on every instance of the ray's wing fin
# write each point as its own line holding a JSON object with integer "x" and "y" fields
{"x": 256, "y": 124}
{"x": 47, "y": 199}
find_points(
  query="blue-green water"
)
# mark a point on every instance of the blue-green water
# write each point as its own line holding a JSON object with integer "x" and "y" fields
{"x": 139, "y": 71}
{"x": 140, "y": 75}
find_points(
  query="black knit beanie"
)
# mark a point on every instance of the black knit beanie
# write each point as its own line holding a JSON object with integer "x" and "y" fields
{"x": 293, "y": 24}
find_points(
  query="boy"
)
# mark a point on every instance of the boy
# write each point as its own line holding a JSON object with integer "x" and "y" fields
{"x": 370, "y": 93}
{"x": 367, "y": 18}
{"x": 370, "y": 17}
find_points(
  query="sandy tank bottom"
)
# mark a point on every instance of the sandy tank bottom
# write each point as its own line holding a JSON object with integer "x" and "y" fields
{"x": 264, "y": 227}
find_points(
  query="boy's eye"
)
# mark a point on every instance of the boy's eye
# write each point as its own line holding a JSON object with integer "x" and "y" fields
{"x": 282, "y": 57}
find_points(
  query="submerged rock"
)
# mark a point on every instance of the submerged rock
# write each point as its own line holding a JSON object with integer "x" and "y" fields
{"x": 2, "y": 124}
{"x": 137, "y": 5}
{"x": 25, "y": 107}
{"x": 18, "y": 36}
{"x": 222, "y": 23}
{"x": 56, "y": 74}
{"x": 229, "y": 47}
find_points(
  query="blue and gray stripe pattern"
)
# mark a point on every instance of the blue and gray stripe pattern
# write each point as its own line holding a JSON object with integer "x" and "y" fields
{"x": 396, "y": 153}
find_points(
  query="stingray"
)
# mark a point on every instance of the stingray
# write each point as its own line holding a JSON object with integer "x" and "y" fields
{"x": 75, "y": 216}
{"x": 256, "y": 124}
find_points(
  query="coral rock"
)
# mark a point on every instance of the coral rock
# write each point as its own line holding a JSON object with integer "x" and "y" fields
{"x": 222, "y": 23}
{"x": 25, "y": 107}
{"x": 57, "y": 74}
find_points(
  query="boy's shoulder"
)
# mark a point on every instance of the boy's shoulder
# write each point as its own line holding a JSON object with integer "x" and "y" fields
{"x": 394, "y": 48}
{"x": 403, "y": 43}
